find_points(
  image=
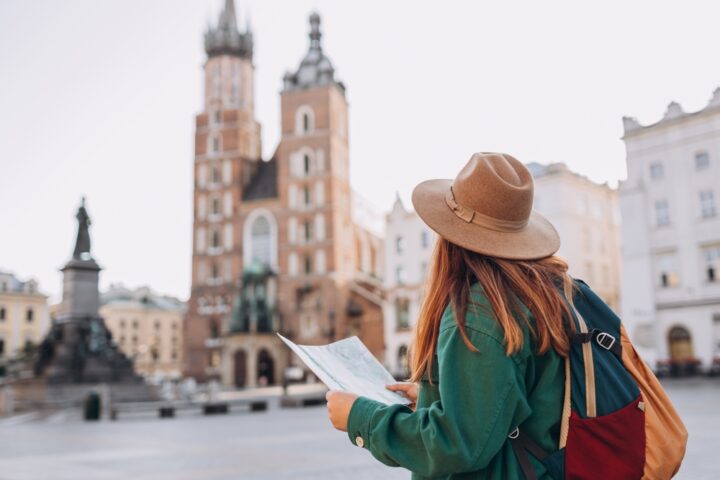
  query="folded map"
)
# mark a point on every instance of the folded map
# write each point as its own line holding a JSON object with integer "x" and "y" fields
{"x": 349, "y": 366}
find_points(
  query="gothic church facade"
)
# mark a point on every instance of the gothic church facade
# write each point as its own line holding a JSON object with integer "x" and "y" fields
{"x": 275, "y": 245}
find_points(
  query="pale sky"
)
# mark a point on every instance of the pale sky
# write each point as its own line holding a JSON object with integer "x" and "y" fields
{"x": 98, "y": 98}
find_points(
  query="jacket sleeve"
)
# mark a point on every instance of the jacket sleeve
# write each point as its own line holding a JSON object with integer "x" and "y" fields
{"x": 480, "y": 401}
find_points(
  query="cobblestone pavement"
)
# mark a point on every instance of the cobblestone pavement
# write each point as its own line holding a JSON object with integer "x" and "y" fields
{"x": 278, "y": 444}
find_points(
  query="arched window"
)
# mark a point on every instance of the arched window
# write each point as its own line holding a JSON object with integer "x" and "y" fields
{"x": 260, "y": 234}
{"x": 216, "y": 239}
{"x": 304, "y": 120}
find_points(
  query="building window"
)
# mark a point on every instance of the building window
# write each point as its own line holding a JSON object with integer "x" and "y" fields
{"x": 2, "y": 347}
{"x": 308, "y": 231}
{"x": 122, "y": 323}
{"x": 662, "y": 213}
{"x": 702, "y": 160}
{"x": 399, "y": 244}
{"x": 2, "y": 314}
{"x": 260, "y": 240}
{"x": 400, "y": 275}
{"x": 215, "y": 239}
{"x": 306, "y": 164}
{"x": 215, "y": 116}
{"x": 403, "y": 364}
{"x": 216, "y": 174}
{"x": 29, "y": 314}
{"x": 157, "y": 324}
{"x": 666, "y": 270}
{"x": 214, "y": 272}
{"x": 423, "y": 270}
{"x": 712, "y": 263}
{"x": 402, "y": 313}
{"x": 707, "y": 204}
{"x": 308, "y": 265}
{"x": 320, "y": 261}
{"x": 304, "y": 120}
{"x": 216, "y": 144}
{"x": 657, "y": 171}
{"x": 135, "y": 324}
{"x": 424, "y": 239}
{"x": 306, "y": 196}
{"x": 214, "y": 329}
{"x": 293, "y": 264}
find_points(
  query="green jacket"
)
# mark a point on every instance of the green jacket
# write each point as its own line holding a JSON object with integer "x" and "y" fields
{"x": 460, "y": 426}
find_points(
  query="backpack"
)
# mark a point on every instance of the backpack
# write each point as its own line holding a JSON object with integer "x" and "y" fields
{"x": 617, "y": 422}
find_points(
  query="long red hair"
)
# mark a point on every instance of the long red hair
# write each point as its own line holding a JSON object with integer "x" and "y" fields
{"x": 537, "y": 284}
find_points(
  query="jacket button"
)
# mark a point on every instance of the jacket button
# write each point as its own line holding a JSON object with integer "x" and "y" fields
{"x": 359, "y": 441}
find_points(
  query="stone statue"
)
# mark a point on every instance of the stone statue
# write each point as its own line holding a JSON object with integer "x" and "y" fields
{"x": 82, "y": 244}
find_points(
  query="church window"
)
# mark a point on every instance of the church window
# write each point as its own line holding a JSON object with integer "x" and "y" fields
{"x": 293, "y": 264}
{"x": 320, "y": 261}
{"x": 320, "y": 226}
{"x": 308, "y": 231}
{"x": 261, "y": 238}
{"x": 304, "y": 120}
{"x": 214, "y": 329}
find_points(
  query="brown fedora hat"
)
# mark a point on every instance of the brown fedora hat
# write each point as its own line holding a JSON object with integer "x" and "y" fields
{"x": 488, "y": 209}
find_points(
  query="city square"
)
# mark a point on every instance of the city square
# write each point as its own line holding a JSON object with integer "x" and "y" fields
{"x": 215, "y": 211}
{"x": 296, "y": 443}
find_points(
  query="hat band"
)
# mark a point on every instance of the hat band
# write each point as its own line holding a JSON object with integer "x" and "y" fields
{"x": 472, "y": 216}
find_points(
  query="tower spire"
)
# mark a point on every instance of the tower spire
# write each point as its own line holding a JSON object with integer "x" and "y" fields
{"x": 225, "y": 39}
{"x": 315, "y": 33}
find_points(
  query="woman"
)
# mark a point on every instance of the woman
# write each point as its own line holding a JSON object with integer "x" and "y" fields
{"x": 490, "y": 339}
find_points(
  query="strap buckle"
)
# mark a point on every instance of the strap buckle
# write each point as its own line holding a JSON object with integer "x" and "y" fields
{"x": 514, "y": 434}
{"x": 605, "y": 340}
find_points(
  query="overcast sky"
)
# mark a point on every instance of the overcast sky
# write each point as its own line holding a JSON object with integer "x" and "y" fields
{"x": 98, "y": 98}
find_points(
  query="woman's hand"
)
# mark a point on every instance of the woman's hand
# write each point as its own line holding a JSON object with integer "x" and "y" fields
{"x": 408, "y": 390}
{"x": 339, "y": 405}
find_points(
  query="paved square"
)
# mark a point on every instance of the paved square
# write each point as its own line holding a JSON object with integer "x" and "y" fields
{"x": 277, "y": 444}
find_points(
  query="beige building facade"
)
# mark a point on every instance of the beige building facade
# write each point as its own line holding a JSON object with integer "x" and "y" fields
{"x": 24, "y": 315}
{"x": 586, "y": 215}
{"x": 147, "y": 327}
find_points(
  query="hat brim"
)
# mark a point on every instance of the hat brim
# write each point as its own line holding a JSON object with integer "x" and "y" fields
{"x": 538, "y": 239}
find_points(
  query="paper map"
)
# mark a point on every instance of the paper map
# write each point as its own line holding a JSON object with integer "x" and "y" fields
{"x": 349, "y": 366}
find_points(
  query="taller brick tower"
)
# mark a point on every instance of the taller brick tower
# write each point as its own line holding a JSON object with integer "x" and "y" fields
{"x": 227, "y": 153}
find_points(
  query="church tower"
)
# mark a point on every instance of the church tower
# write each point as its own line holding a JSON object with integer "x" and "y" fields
{"x": 315, "y": 190}
{"x": 227, "y": 153}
